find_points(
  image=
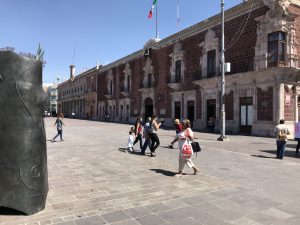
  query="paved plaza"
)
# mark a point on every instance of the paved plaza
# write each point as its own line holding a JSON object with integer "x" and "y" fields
{"x": 92, "y": 181}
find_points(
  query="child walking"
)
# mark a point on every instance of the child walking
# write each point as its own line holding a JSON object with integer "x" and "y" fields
{"x": 59, "y": 127}
{"x": 130, "y": 141}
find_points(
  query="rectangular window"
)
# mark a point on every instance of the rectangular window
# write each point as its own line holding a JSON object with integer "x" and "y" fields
{"x": 211, "y": 63}
{"x": 178, "y": 71}
{"x": 276, "y": 49}
{"x": 128, "y": 83}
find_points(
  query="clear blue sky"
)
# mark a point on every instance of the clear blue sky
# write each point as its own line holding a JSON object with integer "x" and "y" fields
{"x": 100, "y": 30}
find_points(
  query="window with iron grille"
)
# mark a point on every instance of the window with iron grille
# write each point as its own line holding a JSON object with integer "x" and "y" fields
{"x": 211, "y": 63}
{"x": 178, "y": 71}
{"x": 276, "y": 49}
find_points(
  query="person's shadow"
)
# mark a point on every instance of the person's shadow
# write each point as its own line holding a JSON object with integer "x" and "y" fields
{"x": 164, "y": 172}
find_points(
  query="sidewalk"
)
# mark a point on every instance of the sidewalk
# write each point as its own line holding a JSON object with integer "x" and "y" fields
{"x": 92, "y": 182}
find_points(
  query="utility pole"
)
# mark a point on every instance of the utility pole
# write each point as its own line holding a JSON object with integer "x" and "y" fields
{"x": 223, "y": 136}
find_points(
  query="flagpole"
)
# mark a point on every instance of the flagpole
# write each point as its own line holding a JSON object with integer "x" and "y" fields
{"x": 156, "y": 33}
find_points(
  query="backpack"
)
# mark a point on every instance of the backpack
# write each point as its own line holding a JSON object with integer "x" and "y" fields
{"x": 282, "y": 135}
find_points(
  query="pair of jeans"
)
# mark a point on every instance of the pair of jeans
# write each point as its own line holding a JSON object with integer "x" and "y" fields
{"x": 298, "y": 145}
{"x": 155, "y": 142}
{"x": 139, "y": 137}
{"x": 146, "y": 144}
{"x": 59, "y": 133}
{"x": 280, "y": 148}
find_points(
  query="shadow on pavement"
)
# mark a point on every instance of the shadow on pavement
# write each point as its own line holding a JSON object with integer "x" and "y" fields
{"x": 125, "y": 150}
{"x": 164, "y": 172}
{"x": 10, "y": 212}
{"x": 263, "y": 156}
{"x": 288, "y": 153}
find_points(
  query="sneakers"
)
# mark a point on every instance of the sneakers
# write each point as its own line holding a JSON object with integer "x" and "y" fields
{"x": 152, "y": 154}
{"x": 170, "y": 146}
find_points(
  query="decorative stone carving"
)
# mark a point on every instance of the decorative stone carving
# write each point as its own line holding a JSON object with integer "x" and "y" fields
{"x": 148, "y": 69}
{"x": 110, "y": 88}
{"x": 127, "y": 76}
{"x": 151, "y": 43}
{"x": 177, "y": 54}
{"x": 276, "y": 19}
{"x": 211, "y": 43}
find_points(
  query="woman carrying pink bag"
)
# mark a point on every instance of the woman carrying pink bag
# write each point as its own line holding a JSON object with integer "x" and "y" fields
{"x": 185, "y": 138}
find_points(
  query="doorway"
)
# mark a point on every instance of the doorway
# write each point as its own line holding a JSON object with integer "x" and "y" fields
{"x": 177, "y": 110}
{"x": 246, "y": 115}
{"x": 191, "y": 111}
{"x": 210, "y": 109}
{"x": 148, "y": 107}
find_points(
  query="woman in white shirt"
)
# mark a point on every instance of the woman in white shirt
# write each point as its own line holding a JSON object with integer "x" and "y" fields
{"x": 186, "y": 152}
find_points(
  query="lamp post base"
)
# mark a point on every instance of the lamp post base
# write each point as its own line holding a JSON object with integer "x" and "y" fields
{"x": 223, "y": 138}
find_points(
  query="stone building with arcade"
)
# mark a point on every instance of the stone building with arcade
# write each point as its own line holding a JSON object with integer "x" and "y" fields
{"x": 179, "y": 76}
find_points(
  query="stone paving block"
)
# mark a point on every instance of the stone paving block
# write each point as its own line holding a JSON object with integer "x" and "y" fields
{"x": 193, "y": 200}
{"x": 45, "y": 222}
{"x": 185, "y": 221}
{"x": 127, "y": 222}
{"x": 66, "y": 223}
{"x": 209, "y": 219}
{"x": 115, "y": 216}
{"x": 151, "y": 220}
{"x": 158, "y": 207}
{"x": 92, "y": 220}
{"x": 172, "y": 215}
{"x": 244, "y": 221}
{"x": 138, "y": 212}
{"x": 262, "y": 218}
{"x": 279, "y": 214}
{"x": 175, "y": 203}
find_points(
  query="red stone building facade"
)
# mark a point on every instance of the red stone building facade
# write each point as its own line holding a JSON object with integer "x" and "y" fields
{"x": 179, "y": 76}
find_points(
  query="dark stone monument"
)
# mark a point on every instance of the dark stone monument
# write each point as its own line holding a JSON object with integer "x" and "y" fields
{"x": 23, "y": 156}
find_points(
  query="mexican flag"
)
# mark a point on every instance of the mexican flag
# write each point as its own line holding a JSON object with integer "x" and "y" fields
{"x": 150, "y": 13}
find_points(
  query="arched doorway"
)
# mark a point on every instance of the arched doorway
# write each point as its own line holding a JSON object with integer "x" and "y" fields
{"x": 148, "y": 107}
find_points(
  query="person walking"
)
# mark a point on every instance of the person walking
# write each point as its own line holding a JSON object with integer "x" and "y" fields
{"x": 130, "y": 141}
{"x": 146, "y": 135}
{"x": 59, "y": 127}
{"x": 185, "y": 149}
{"x": 138, "y": 132}
{"x": 178, "y": 127}
{"x": 297, "y": 135}
{"x": 281, "y": 132}
{"x": 154, "y": 126}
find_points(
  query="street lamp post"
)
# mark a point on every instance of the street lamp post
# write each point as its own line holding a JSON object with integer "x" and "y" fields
{"x": 223, "y": 136}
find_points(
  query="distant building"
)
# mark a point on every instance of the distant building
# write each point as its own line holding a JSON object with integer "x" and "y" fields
{"x": 79, "y": 94}
{"x": 51, "y": 90}
{"x": 179, "y": 76}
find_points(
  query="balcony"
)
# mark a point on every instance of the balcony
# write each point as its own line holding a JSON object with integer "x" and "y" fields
{"x": 108, "y": 94}
{"x": 146, "y": 85}
{"x": 174, "y": 83}
{"x": 125, "y": 91}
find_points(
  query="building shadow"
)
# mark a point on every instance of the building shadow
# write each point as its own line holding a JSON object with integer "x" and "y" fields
{"x": 288, "y": 153}
{"x": 164, "y": 172}
{"x": 4, "y": 211}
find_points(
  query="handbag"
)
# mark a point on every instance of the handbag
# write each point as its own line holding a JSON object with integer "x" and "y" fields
{"x": 187, "y": 150}
{"x": 196, "y": 147}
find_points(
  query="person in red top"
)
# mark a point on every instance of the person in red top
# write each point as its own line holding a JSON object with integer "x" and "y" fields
{"x": 179, "y": 128}
{"x": 138, "y": 131}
